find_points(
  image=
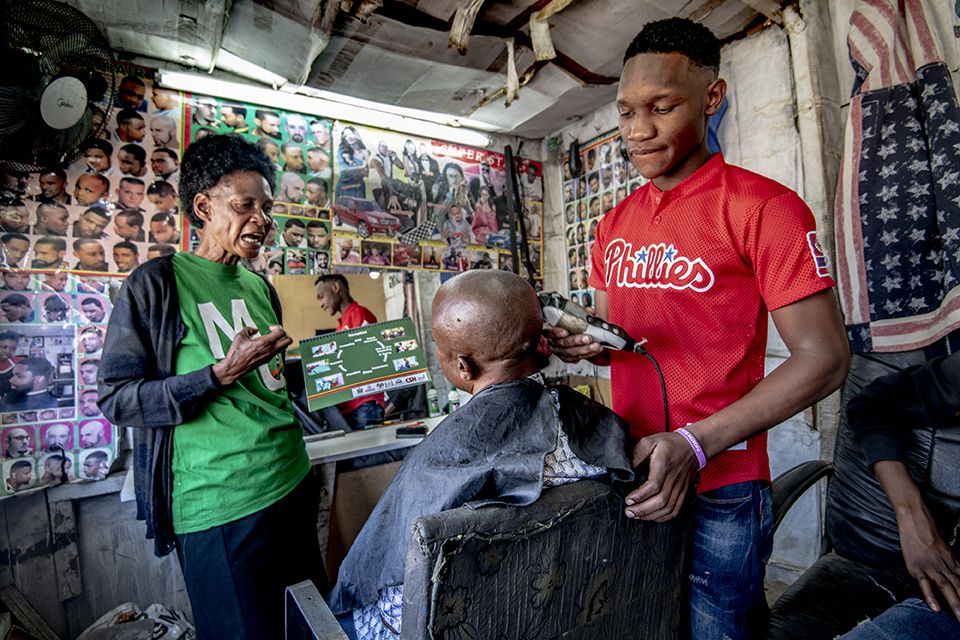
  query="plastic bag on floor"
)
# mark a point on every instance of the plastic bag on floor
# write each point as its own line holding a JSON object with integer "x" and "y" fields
{"x": 129, "y": 622}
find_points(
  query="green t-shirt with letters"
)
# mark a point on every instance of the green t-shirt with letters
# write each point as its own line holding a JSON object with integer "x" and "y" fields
{"x": 244, "y": 450}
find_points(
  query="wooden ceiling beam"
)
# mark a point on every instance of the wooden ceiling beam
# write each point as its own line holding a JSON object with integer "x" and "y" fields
{"x": 412, "y": 17}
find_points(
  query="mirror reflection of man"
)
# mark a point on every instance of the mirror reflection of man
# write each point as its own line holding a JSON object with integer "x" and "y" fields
{"x": 28, "y": 386}
{"x": 20, "y": 475}
{"x": 333, "y": 293}
{"x": 18, "y": 443}
{"x": 57, "y": 437}
{"x": 93, "y": 434}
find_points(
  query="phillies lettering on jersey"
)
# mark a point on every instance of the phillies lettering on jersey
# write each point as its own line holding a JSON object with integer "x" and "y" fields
{"x": 655, "y": 265}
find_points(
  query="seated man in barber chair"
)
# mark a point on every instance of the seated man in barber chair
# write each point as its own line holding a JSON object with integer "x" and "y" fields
{"x": 513, "y": 438}
{"x": 928, "y": 518}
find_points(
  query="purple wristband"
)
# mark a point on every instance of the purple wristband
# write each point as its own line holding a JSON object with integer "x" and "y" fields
{"x": 695, "y": 445}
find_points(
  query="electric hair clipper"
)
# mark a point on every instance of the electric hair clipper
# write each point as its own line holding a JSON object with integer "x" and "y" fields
{"x": 563, "y": 313}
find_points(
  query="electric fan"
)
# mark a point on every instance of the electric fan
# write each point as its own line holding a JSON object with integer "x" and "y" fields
{"x": 57, "y": 67}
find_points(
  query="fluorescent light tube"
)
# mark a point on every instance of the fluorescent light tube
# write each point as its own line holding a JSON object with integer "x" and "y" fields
{"x": 383, "y": 116}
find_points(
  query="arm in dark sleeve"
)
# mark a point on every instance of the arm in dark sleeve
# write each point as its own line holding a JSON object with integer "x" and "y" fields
{"x": 882, "y": 414}
{"x": 134, "y": 392}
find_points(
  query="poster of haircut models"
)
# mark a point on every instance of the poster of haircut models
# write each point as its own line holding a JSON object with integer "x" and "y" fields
{"x": 299, "y": 241}
{"x": 113, "y": 208}
{"x": 51, "y": 430}
{"x": 408, "y": 202}
{"x": 604, "y": 181}
{"x": 69, "y": 234}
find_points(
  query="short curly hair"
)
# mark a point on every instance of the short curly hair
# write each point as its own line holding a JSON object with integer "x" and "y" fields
{"x": 207, "y": 161}
{"x": 678, "y": 35}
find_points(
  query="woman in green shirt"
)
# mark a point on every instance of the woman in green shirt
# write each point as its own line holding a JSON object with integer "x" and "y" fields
{"x": 227, "y": 469}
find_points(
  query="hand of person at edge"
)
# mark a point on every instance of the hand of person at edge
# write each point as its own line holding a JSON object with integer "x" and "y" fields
{"x": 248, "y": 351}
{"x": 572, "y": 347}
{"x": 929, "y": 560}
{"x": 672, "y": 467}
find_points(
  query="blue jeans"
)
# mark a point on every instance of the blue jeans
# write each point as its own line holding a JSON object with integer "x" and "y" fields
{"x": 732, "y": 539}
{"x": 366, "y": 415}
{"x": 912, "y": 619}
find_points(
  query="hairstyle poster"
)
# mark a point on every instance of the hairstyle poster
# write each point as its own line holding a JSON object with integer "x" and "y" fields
{"x": 116, "y": 206}
{"x": 414, "y": 196}
{"x": 298, "y": 146}
{"x": 605, "y": 180}
{"x": 51, "y": 430}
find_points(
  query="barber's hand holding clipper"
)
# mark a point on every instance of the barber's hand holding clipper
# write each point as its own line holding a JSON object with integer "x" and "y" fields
{"x": 672, "y": 460}
{"x": 248, "y": 351}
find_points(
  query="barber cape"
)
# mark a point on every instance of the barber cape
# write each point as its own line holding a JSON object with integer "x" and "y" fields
{"x": 488, "y": 452}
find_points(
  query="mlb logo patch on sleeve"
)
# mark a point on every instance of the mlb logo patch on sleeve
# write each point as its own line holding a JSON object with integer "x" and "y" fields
{"x": 819, "y": 258}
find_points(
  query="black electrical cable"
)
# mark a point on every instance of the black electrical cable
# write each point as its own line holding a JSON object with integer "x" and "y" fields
{"x": 663, "y": 385}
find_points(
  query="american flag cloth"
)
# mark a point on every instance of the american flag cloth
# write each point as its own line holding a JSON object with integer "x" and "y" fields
{"x": 898, "y": 197}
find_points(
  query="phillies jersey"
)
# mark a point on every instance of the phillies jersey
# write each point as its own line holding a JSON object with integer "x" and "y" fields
{"x": 695, "y": 270}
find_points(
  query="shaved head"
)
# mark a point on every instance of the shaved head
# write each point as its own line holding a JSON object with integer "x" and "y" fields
{"x": 487, "y": 325}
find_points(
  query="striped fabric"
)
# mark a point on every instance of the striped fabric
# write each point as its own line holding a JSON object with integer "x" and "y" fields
{"x": 898, "y": 197}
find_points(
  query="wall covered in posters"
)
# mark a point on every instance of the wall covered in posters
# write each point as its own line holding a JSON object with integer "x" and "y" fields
{"x": 346, "y": 197}
{"x": 604, "y": 181}
{"x": 68, "y": 235}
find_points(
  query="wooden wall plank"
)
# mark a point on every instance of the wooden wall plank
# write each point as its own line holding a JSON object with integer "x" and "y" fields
{"x": 34, "y": 571}
{"x": 66, "y": 555}
{"x": 118, "y": 564}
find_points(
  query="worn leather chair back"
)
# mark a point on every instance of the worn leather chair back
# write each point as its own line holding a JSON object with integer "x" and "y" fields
{"x": 570, "y": 565}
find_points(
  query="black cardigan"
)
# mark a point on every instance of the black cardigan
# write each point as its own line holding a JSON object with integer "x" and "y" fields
{"x": 138, "y": 387}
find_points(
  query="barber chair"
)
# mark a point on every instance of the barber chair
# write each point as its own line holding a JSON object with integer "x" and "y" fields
{"x": 570, "y": 565}
{"x": 861, "y": 572}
